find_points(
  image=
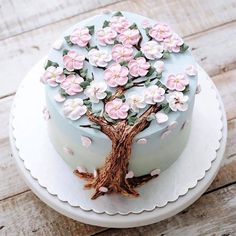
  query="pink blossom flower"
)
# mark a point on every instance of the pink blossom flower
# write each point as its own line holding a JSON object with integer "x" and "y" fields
{"x": 119, "y": 23}
{"x": 159, "y": 66}
{"x": 177, "y": 101}
{"x": 152, "y": 50}
{"x": 74, "y": 108}
{"x": 191, "y": 70}
{"x": 173, "y": 43}
{"x": 72, "y": 84}
{"x": 73, "y": 61}
{"x": 154, "y": 94}
{"x": 122, "y": 53}
{"x": 80, "y": 36}
{"x": 129, "y": 37}
{"x": 117, "y": 109}
{"x": 160, "y": 32}
{"x": 177, "y": 82}
{"x": 53, "y": 76}
{"x": 106, "y": 36}
{"x": 116, "y": 75}
{"x": 138, "y": 67}
{"x": 145, "y": 23}
{"x": 99, "y": 57}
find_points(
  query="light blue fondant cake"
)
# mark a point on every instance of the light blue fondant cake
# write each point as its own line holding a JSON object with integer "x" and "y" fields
{"x": 120, "y": 93}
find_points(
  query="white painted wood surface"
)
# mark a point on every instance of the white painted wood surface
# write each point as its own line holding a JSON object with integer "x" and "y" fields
{"x": 28, "y": 28}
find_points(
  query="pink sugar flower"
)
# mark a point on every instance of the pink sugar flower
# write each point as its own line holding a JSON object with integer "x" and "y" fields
{"x": 138, "y": 67}
{"x": 73, "y": 61}
{"x": 173, "y": 43}
{"x": 106, "y": 36}
{"x": 154, "y": 94}
{"x": 116, "y": 75}
{"x": 80, "y": 36}
{"x": 177, "y": 82}
{"x": 122, "y": 53}
{"x": 160, "y": 32}
{"x": 119, "y": 23}
{"x": 191, "y": 70}
{"x": 53, "y": 76}
{"x": 72, "y": 84}
{"x": 152, "y": 50}
{"x": 129, "y": 37}
{"x": 117, "y": 109}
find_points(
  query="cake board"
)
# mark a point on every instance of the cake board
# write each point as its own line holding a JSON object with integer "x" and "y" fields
{"x": 129, "y": 220}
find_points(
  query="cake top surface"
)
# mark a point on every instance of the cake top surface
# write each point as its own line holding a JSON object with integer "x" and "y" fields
{"x": 116, "y": 66}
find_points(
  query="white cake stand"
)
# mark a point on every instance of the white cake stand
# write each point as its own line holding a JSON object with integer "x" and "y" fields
{"x": 130, "y": 220}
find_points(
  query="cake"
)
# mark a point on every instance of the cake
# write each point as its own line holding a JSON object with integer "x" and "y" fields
{"x": 120, "y": 92}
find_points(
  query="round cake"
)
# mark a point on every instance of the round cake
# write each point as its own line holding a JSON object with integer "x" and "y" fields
{"x": 120, "y": 93}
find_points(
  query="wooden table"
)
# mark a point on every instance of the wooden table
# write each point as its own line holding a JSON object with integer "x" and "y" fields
{"x": 28, "y": 27}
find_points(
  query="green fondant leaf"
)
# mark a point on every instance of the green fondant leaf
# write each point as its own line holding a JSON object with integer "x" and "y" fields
{"x": 91, "y": 47}
{"x": 166, "y": 108}
{"x": 65, "y": 51}
{"x": 95, "y": 126}
{"x": 83, "y": 72}
{"x": 109, "y": 94}
{"x": 151, "y": 117}
{"x": 160, "y": 84}
{"x": 106, "y": 24}
{"x": 84, "y": 84}
{"x": 98, "y": 113}
{"x": 183, "y": 47}
{"x": 147, "y": 83}
{"x": 138, "y": 54}
{"x": 109, "y": 119}
{"x": 159, "y": 75}
{"x": 133, "y": 26}
{"x": 63, "y": 92}
{"x": 122, "y": 97}
{"x": 91, "y": 29}
{"x": 132, "y": 120}
{"x": 66, "y": 72}
{"x": 151, "y": 71}
{"x": 147, "y": 32}
{"x": 118, "y": 14}
{"x": 124, "y": 63}
{"x": 129, "y": 84}
{"x": 166, "y": 55}
{"x": 67, "y": 39}
{"x": 51, "y": 63}
{"x": 87, "y": 103}
{"x": 187, "y": 89}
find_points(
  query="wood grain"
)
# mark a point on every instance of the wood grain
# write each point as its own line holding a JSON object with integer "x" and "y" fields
{"x": 24, "y": 50}
{"x": 25, "y": 15}
{"x": 212, "y": 214}
{"x": 25, "y": 214}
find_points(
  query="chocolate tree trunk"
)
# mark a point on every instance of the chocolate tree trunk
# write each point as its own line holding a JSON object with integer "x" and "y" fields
{"x": 112, "y": 176}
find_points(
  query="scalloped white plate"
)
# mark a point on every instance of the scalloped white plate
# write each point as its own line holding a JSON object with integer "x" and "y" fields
{"x": 46, "y": 166}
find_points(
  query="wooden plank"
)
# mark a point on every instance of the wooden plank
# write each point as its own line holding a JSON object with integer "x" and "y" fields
{"x": 22, "y": 16}
{"x": 25, "y": 214}
{"x": 225, "y": 83}
{"x": 212, "y": 214}
{"x": 214, "y": 49}
{"x": 194, "y": 17}
{"x": 23, "y": 51}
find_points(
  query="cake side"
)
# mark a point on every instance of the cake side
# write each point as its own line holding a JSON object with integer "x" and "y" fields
{"x": 121, "y": 85}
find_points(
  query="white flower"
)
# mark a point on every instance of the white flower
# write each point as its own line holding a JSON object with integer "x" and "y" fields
{"x": 96, "y": 91}
{"x": 177, "y": 101}
{"x": 191, "y": 70}
{"x": 161, "y": 117}
{"x": 152, "y": 50}
{"x": 159, "y": 66}
{"x": 154, "y": 94}
{"x": 74, "y": 108}
{"x": 99, "y": 57}
{"x": 136, "y": 101}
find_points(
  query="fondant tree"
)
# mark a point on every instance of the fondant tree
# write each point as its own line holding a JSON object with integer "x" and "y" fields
{"x": 119, "y": 119}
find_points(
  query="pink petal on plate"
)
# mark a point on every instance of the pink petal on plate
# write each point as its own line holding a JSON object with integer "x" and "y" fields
{"x": 81, "y": 169}
{"x": 142, "y": 141}
{"x": 155, "y": 172}
{"x": 59, "y": 98}
{"x": 173, "y": 125}
{"x": 86, "y": 142}
{"x": 103, "y": 189}
{"x": 68, "y": 151}
{"x": 129, "y": 175}
{"x": 165, "y": 134}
